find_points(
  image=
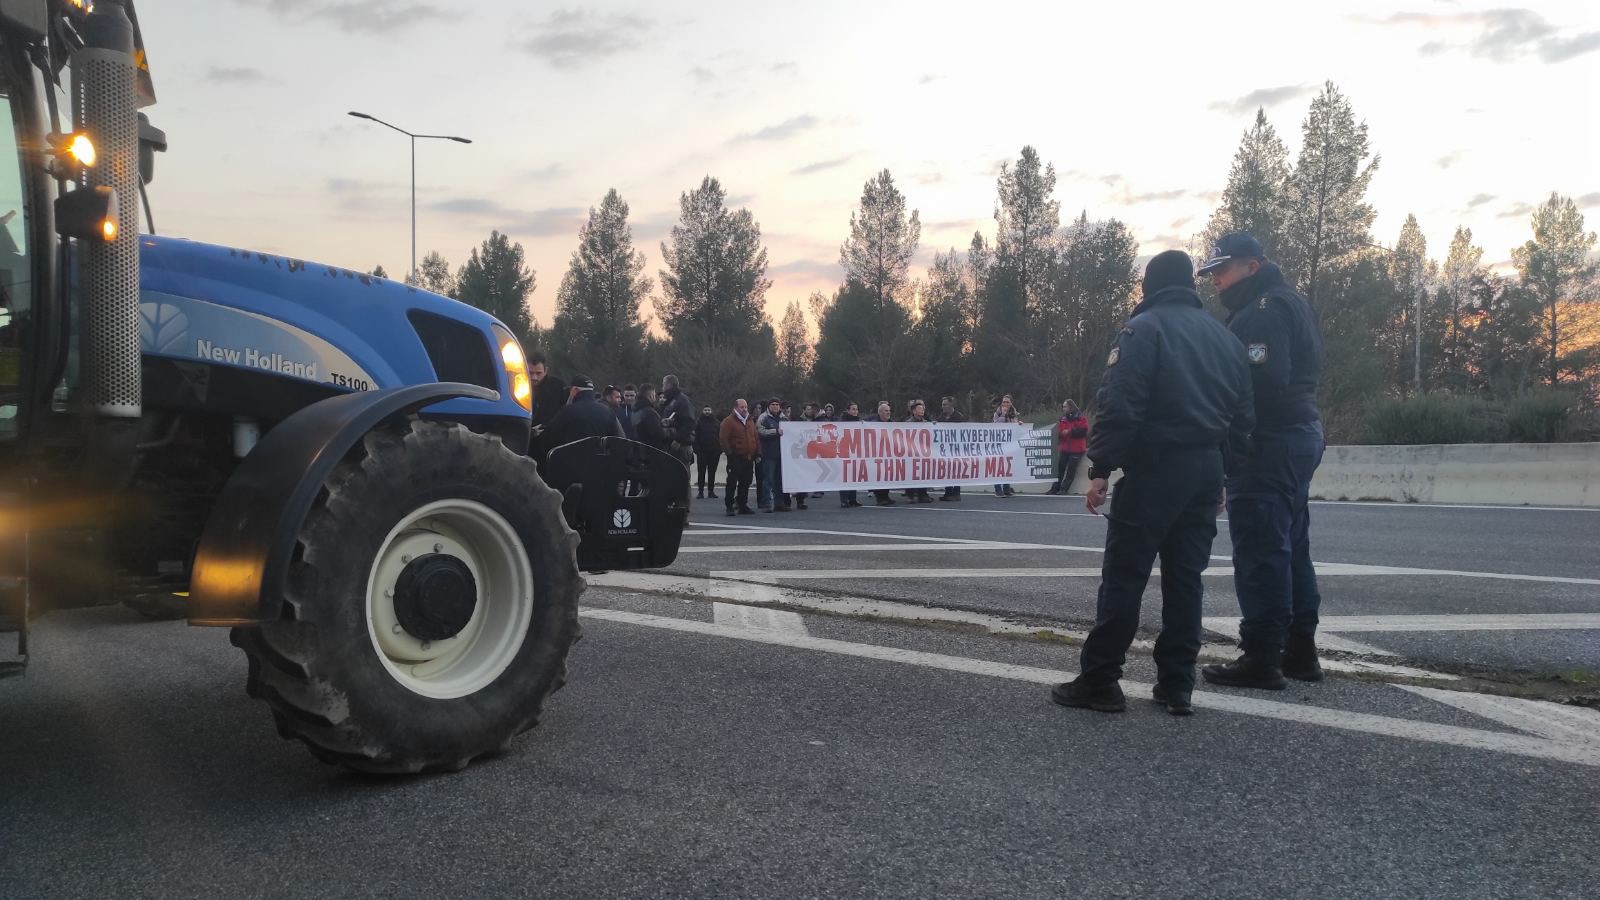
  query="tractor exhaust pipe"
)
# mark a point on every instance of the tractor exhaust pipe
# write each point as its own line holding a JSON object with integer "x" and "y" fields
{"x": 105, "y": 105}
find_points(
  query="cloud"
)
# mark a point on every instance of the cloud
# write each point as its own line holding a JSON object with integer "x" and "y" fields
{"x": 356, "y": 16}
{"x": 784, "y": 68}
{"x": 1153, "y": 196}
{"x": 1500, "y": 35}
{"x": 929, "y": 79}
{"x": 572, "y": 38}
{"x": 784, "y": 130}
{"x": 1179, "y": 223}
{"x": 823, "y": 165}
{"x": 809, "y": 268}
{"x": 929, "y": 177}
{"x": 1260, "y": 97}
{"x": 237, "y": 75}
{"x": 1589, "y": 201}
{"x": 1479, "y": 200}
{"x": 1517, "y": 211}
{"x": 962, "y": 225}
{"x": 1449, "y": 159}
{"x": 702, "y": 75}
{"x": 546, "y": 173}
{"x": 555, "y": 220}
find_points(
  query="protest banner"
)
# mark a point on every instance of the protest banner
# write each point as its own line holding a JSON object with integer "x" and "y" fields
{"x": 845, "y": 456}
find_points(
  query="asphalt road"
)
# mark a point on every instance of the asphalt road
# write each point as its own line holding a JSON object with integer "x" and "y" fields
{"x": 712, "y": 749}
{"x": 824, "y": 757}
{"x": 1506, "y": 591}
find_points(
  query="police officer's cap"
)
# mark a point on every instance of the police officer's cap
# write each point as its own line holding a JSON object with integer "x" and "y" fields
{"x": 1232, "y": 246}
{"x": 581, "y": 382}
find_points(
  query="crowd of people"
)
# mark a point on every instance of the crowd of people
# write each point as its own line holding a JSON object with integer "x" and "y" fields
{"x": 744, "y": 444}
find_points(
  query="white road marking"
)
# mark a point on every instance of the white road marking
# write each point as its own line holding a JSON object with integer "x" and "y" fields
{"x": 1580, "y": 753}
{"x": 737, "y": 615}
{"x": 1230, "y": 628}
{"x": 991, "y": 512}
{"x": 833, "y": 548}
{"x": 745, "y": 587}
{"x": 1551, "y": 721}
{"x": 779, "y": 529}
{"x": 852, "y": 574}
{"x": 1323, "y": 568}
{"x": 1382, "y": 505}
{"x": 1507, "y": 622}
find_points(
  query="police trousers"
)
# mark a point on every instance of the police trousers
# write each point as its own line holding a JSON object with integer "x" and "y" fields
{"x": 1270, "y": 523}
{"x": 1165, "y": 506}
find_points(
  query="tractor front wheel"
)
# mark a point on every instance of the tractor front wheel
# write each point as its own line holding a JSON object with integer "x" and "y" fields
{"x": 430, "y": 606}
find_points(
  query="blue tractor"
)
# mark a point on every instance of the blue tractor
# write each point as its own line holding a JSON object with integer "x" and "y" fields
{"x": 333, "y": 465}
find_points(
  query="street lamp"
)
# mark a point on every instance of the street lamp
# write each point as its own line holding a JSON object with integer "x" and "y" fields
{"x": 413, "y": 137}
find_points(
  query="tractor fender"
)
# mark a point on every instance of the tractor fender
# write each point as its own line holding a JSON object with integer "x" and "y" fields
{"x": 242, "y": 561}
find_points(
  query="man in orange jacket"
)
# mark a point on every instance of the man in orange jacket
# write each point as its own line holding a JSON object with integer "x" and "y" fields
{"x": 738, "y": 440}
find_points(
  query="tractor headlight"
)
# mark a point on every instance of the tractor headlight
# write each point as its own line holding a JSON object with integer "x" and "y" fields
{"x": 70, "y": 155}
{"x": 80, "y": 148}
{"x": 516, "y": 366}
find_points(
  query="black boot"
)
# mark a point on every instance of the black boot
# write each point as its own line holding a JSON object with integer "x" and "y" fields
{"x": 1300, "y": 658}
{"x": 1257, "y": 668}
{"x": 1054, "y": 489}
{"x": 1099, "y": 697}
{"x": 1177, "y": 700}
{"x": 700, "y": 494}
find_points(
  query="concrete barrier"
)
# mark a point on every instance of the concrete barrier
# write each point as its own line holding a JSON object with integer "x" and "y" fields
{"x": 1510, "y": 474}
{"x": 1501, "y": 474}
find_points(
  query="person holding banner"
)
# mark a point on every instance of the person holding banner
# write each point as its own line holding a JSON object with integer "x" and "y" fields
{"x": 885, "y": 413}
{"x": 1072, "y": 441}
{"x": 919, "y": 413}
{"x": 852, "y": 413}
{"x": 1175, "y": 400}
{"x": 1005, "y": 414}
{"x": 768, "y": 427}
{"x": 947, "y": 414}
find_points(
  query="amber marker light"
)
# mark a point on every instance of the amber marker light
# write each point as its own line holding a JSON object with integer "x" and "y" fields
{"x": 80, "y": 148}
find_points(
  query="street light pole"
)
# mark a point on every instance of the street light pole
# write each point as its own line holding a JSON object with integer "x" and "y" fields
{"x": 413, "y": 137}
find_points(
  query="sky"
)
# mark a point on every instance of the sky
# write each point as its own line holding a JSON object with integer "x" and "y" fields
{"x": 1479, "y": 112}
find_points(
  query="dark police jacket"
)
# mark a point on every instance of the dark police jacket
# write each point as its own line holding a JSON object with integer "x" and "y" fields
{"x": 1176, "y": 377}
{"x": 582, "y": 418}
{"x": 1283, "y": 343}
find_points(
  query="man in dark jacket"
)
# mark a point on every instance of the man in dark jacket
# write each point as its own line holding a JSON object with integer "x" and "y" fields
{"x": 677, "y": 420}
{"x": 768, "y": 428}
{"x": 707, "y": 450}
{"x": 582, "y": 416}
{"x": 919, "y": 413}
{"x": 885, "y": 413}
{"x": 1268, "y": 515}
{"x": 852, "y": 413}
{"x": 549, "y": 392}
{"x": 646, "y": 421}
{"x": 1174, "y": 406}
{"x": 948, "y": 413}
{"x": 620, "y": 410}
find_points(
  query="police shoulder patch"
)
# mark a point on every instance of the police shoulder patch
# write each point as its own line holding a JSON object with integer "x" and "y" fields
{"x": 1258, "y": 354}
{"x": 1264, "y": 300}
{"x": 1116, "y": 354}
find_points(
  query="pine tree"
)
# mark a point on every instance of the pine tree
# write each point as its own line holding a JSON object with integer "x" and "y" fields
{"x": 1094, "y": 282}
{"x": 715, "y": 280}
{"x": 942, "y": 334}
{"x": 795, "y": 354}
{"x": 1026, "y": 218}
{"x": 597, "y": 326}
{"x": 496, "y": 280}
{"x": 1412, "y": 273}
{"x": 434, "y": 275}
{"x": 1462, "y": 267}
{"x": 378, "y": 272}
{"x": 882, "y": 240}
{"x": 1553, "y": 267}
{"x": 1327, "y": 213}
{"x": 1253, "y": 201}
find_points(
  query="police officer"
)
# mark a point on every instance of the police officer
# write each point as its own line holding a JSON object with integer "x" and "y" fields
{"x": 1173, "y": 405}
{"x": 1267, "y": 509}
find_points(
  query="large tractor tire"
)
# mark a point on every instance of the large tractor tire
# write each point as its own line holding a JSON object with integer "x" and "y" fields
{"x": 430, "y": 606}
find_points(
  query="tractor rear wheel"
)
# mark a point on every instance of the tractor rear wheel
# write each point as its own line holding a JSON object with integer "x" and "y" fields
{"x": 430, "y": 605}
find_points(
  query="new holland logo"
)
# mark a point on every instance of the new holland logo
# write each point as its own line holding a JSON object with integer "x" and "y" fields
{"x": 622, "y": 518}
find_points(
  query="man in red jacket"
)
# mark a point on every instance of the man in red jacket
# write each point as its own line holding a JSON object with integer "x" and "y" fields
{"x": 1072, "y": 440}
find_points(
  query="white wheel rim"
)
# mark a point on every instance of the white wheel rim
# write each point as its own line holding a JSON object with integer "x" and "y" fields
{"x": 489, "y": 547}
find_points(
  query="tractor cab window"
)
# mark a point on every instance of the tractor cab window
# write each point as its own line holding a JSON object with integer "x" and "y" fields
{"x": 16, "y": 272}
